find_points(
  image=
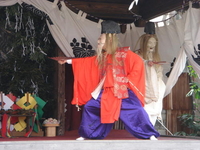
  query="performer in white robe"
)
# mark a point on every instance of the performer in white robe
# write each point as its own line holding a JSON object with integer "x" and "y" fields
{"x": 155, "y": 87}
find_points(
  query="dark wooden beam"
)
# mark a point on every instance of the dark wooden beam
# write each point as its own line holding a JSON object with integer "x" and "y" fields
{"x": 101, "y": 7}
{"x": 128, "y": 2}
{"x": 115, "y": 10}
{"x": 154, "y": 8}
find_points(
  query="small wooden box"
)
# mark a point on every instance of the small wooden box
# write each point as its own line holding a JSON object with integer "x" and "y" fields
{"x": 50, "y": 129}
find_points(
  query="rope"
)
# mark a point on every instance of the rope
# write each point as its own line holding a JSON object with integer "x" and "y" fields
{"x": 164, "y": 126}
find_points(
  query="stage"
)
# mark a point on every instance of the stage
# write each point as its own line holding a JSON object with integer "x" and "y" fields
{"x": 116, "y": 140}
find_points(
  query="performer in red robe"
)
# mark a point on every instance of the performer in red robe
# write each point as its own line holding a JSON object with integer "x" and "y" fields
{"x": 111, "y": 85}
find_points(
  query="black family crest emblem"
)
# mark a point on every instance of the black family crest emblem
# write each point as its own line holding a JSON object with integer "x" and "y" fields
{"x": 83, "y": 49}
{"x": 197, "y": 52}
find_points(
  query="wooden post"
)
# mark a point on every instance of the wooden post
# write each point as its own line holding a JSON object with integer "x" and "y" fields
{"x": 61, "y": 96}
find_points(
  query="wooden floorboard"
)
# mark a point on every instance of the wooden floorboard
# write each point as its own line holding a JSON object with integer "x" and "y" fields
{"x": 113, "y": 135}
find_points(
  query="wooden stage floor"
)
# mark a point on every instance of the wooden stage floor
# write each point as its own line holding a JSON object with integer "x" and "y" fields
{"x": 113, "y": 135}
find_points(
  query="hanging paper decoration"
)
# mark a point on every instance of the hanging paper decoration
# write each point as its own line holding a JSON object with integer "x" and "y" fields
{"x": 21, "y": 125}
{"x": 5, "y": 102}
{"x": 38, "y": 110}
{"x": 27, "y": 102}
{"x": 32, "y": 50}
{"x": 37, "y": 11}
{"x": 18, "y": 18}
{"x": 4, "y": 131}
{"x": 40, "y": 104}
{"x": 32, "y": 106}
{"x": 7, "y": 18}
{"x": 12, "y": 97}
{"x": 13, "y": 119}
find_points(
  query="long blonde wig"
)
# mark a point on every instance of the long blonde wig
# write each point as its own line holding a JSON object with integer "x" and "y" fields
{"x": 109, "y": 48}
{"x": 143, "y": 47}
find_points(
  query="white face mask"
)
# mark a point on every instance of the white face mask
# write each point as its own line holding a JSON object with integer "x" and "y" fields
{"x": 101, "y": 40}
{"x": 151, "y": 44}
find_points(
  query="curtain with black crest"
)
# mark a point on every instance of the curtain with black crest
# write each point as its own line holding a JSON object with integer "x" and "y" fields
{"x": 77, "y": 36}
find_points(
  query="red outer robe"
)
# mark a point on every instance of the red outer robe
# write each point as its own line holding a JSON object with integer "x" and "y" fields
{"x": 87, "y": 77}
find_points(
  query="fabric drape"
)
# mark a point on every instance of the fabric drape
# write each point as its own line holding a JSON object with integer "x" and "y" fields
{"x": 178, "y": 39}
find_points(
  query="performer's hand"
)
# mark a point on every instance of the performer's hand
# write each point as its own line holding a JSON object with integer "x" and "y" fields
{"x": 62, "y": 61}
{"x": 150, "y": 63}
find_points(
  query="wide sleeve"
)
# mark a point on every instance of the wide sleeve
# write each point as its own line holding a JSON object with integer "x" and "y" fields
{"x": 136, "y": 74}
{"x": 152, "y": 84}
{"x": 86, "y": 79}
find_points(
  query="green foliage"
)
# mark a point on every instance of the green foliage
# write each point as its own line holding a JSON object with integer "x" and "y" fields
{"x": 195, "y": 90}
{"x": 192, "y": 72}
{"x": 25, "y": 45}
{"x": 194, "y": 86}
{"x": 181, "y": 133}
{"x": 190, "y": 120}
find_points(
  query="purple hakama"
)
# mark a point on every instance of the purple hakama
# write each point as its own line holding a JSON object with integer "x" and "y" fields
{"x": 132, "y": 114}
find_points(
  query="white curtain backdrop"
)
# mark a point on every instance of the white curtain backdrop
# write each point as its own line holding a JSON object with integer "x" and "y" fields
{"x": 192, "y": 36}
{"x": 67, "y": 25}
{"x": 190, "y": 27}
{"x": 175, "y": 40}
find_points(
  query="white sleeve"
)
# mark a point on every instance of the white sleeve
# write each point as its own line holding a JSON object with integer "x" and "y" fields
{"x": 97, "y": 91}
{"x": 69, "y": 61}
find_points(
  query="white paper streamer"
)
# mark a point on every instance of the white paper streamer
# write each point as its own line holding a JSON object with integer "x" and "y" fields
{"x": 7, "y": 18}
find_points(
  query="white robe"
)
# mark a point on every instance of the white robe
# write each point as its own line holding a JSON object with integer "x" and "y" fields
{"x": 155, "y": 89}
